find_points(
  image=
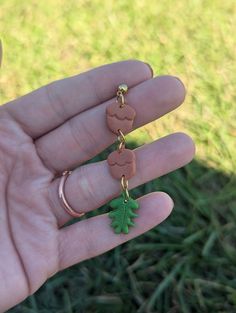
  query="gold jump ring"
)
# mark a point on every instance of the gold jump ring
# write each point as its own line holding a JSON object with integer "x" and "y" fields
{"x": 124, "y": 185}
{"x": 121, "y": 139}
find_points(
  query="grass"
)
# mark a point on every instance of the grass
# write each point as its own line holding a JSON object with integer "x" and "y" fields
{"x": 188, "y": 263}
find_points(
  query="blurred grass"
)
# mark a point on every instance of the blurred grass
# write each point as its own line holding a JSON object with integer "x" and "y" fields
{"x": 188, "y": 263}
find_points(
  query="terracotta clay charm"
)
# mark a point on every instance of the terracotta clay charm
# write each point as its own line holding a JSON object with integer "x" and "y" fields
{"x": 120, "y": 117}
{"x": 122, "y": 164}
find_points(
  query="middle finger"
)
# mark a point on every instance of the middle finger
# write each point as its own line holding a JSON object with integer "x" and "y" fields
{"x": 85, "y": 135}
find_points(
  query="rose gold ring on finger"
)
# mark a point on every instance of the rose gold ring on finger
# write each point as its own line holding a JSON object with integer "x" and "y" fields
{"x": 62, "y": 197}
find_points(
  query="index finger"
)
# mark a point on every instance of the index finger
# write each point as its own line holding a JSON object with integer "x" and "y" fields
{"x": 50, "y": 106}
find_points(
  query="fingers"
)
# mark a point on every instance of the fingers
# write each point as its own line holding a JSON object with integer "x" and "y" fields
{"x": 95, "y": 236}
{"x": 91, "y": 186}
{"x": 87, "y": 134}
{"x": 50, "y": 106}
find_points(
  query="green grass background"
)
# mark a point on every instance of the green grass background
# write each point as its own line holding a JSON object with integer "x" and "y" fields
{"x": 188, "y": 263}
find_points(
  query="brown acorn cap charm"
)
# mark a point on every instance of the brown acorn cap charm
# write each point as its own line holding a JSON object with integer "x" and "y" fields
{"x": 122, "y": 164}
{"x": 120, "y": 117}
{"x": 119, "y": 114}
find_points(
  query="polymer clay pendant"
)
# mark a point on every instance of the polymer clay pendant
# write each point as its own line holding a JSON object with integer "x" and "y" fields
{"x": 122, "y": 163}
{"x": 120, "y": 117}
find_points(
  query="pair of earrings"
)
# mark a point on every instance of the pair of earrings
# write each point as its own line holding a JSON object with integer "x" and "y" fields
{"x": 122, "y": 163}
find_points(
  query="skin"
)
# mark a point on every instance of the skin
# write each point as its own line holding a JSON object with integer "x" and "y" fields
{"x": 59, "y": 127}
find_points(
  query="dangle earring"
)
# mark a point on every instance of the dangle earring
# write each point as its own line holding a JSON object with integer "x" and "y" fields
{"x": 122, "y": 164}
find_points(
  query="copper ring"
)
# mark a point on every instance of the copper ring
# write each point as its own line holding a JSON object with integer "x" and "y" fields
{"x": 62, "y": 197}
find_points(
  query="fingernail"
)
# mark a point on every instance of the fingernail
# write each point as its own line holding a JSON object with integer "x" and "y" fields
{"x": 150, "y": 68}
{"x": 180, "y": 82}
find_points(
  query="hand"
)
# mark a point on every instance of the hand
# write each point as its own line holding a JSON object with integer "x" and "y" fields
{"x": 59, "y": 127}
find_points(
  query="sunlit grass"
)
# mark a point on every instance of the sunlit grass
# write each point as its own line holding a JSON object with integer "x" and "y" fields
{"x": 195, "y": 40}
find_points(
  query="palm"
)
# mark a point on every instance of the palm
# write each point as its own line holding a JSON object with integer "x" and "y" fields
{"x": 39, "y": 141}
{"x": 28, "y": 228}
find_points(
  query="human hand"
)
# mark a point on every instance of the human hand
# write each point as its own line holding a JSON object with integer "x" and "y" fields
{"x": 58, "y": 127}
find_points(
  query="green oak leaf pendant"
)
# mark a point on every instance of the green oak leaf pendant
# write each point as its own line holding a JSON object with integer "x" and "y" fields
{"x": 123, "y": 214}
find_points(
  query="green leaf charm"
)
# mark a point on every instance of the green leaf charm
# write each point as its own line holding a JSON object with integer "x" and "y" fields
{"x": 123, "y": 214}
